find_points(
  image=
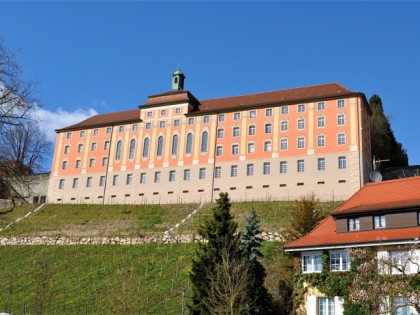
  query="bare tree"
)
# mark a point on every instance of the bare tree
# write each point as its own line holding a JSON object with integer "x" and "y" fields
{"x": 16, "y": 104}
{"x": 16, "y": 93}
{"x": 229, "y": 285}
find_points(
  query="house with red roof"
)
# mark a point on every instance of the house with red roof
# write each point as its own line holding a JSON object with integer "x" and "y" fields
{"x": 384, "y": 216}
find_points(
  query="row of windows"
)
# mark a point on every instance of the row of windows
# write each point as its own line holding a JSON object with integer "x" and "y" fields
{"x": 221, "y": 117}
{"x": 379, "y": 222}
{"x": 267, "y": 146}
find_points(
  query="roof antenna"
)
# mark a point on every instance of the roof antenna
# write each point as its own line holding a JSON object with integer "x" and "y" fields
{"x": 375, "y": 176}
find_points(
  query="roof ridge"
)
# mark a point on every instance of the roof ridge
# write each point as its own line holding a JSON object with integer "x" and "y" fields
{"x": 273, "y": 91}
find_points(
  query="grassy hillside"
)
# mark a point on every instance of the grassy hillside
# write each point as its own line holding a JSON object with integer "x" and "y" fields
{"x": 138, "y": 220}
{"x": 107, "y": 279}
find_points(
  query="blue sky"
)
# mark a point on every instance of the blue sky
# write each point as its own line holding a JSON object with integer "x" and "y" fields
{"x": 99, "y": 57}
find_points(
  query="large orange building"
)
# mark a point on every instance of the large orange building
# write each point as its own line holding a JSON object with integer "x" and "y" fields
{"x": 174, "y": 148}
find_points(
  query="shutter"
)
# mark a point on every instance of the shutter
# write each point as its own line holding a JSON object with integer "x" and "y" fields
{"x": 338, "y": 305}
{"x": 311, "y": 305}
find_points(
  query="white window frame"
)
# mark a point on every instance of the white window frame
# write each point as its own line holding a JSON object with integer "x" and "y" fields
{"x": 283, "y": 167}
{"x": 315, "y": 260}
{"x": 339, "y": 260}
{"x": 354, "y": 224}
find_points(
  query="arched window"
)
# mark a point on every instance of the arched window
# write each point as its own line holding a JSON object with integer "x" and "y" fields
{"x": 204, "y": 141}
{"x": 146, "y": 147}
{"x": 188, "y": 148}
{"x": 119, "y": 150}
{"x": 159, "y": 150}
{"x": 132, "y": 149}
{"x": 175, "y": 145}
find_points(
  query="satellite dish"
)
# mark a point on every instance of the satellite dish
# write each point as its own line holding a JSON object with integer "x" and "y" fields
{"x": 375, "y": 176}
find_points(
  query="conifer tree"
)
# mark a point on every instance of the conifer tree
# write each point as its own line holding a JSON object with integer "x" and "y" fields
{"x": 250, "y": 248}
{"x": 219, "y": 232}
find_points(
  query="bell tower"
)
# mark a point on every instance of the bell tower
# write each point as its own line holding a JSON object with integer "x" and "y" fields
{"x": 178, "y": 80}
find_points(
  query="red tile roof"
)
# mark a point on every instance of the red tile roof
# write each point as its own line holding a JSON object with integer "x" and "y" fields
{"x": 276, "y": 97}
{"x": 325, "y": 235}
{"x": 170, "y": 98}
{"x": 387, "y": 195}
{"x": 116, "y": 118}
{"x": 398, "y": 193}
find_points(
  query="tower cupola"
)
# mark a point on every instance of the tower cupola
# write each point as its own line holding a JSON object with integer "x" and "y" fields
{"x": 178, "y": 80}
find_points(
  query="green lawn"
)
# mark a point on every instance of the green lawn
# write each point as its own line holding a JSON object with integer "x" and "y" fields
{"x": 104, "y": 279}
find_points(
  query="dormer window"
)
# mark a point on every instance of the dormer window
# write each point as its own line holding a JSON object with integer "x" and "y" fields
{"x": 379, "y": 222}
{"x": 354, "y": 224}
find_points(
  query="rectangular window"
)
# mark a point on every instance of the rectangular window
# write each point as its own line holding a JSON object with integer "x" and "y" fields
{"x": 251, "y": 130}
{"x": 300, "y": 165}
{"x": 104, "y": 161}
{"x": 143, "y": 178}
{"x": 171, "y": 176}
{"x": 220, "y": 133}
{"x": 301, "y": 108}
{"x": 250, "y": 169}
{"x": 379, "y": 221}
{"x": 66, "y": 149}
{"x": 129, "y": 180}
{"x": 135, "y": 127}
{"x": 157, "y": 177}
{"x": 236, "y": 116}
{"x": 403, "y": 306}
{"x": 108, "y": 130}
{"x": 206, "y": 119}
{"x": 176, "y": 122}
{"x": 219, "y": 150}
{"x": 285, "y": 110}
{"x": 221, "y": 117}
{"x": 102, "y": 181}
{"x": 321, "y": 141}
{"x": 283, "y": 144}
{"x": 89, "y": 182}
{"x": 75, "y": 182}
{"x": 80, "y": 148}
{"x": 301, "y": 142}
{"x": 202, "y": 174}
{"x": 187, "y": 174}
{"x": 235, "y": 132}
{"x": 115, "y": 180}
{"x": 218, "y": 172}
{"x": 234, "y": 171}
{"x": 301, "y": 124}
{"x": 267, "y": 146}
{"x": 68, "y": 135}
{"x": 177, "y": 110}
{"x": 64, "y": 165}
{"x": 342, "y": 164}
{"x": 91, "y": 162}
{"x": 321, "y": 105}
{"x": 93, "y": 146}
{"x": 148, "y": 126}
{"x": 341, "y": 120}
{"x": 340, "y": 104}
{"x": 106, "y": 145}
{"x": 95, "y": 132}
{"x": 321, "y": 122}
{"x": 61, "y": 185}
{"x": 266, "y": 170}
{"x": 354, "y": 224}
{"x": 283, "y": 167}
{"x": 251, "y": 147}
{"x": 400, "y": 262}
{"x": 252, "y": 114}
{"x": 163, "y": 112}
{"x": 312, "y": 263}
{"x": 321, "y": 164}
{"x": 78, "y": 163}
{"x": 284, "y": 125}
{"x": 190, "y": 121}
{"x": 121, "y": 129}
{"x": 162, "y": 124}
{"x": 326, "y": 306}
{"x": 339, "y": 261}
{"x": 235, "y": 149}
{"x": 341, "y": 139}
{"x": 82, "y": 134}
{"x": 149, "y": 114}
{"x": 269, "y": 112}
{"x": 267, "y": 128}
